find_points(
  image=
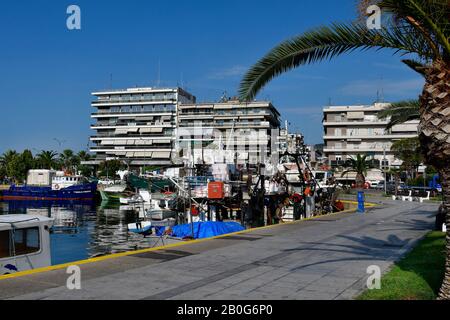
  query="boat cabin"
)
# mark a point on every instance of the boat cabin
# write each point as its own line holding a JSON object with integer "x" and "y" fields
{"x": 24, "y": 242}
{"x": 62, "y": 182}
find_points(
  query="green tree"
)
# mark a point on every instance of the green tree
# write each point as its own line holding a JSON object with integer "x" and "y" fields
{"x": 359, "y": 165}
{"x": 85, "y": 170}
{"x": 109, "y": 168}
{"x": 417, "y": 27}
{"x": 47, "y": 160}
{"x": 409, "y": 151}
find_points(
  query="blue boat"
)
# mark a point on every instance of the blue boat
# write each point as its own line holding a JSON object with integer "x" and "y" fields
{"x": 52, "y": 188}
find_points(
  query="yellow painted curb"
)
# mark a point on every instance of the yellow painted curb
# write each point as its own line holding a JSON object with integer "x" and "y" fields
{"x": 174, "y": 245}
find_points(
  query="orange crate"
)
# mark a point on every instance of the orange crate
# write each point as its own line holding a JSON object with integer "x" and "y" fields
{"x": 216, "y": 190}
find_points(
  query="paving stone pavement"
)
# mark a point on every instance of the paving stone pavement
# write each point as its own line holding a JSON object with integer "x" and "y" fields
{"x": 319, "y": 259}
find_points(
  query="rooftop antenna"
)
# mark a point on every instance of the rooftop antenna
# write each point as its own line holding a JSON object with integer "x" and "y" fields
{"x": 224, "y": 97}
{"x": 380, "y": 91}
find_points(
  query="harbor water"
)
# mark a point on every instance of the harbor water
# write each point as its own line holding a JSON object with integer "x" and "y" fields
{"x": 84, "y": 229}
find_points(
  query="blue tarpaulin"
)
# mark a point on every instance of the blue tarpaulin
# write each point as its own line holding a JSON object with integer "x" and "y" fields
{"x": 204, "y": 230}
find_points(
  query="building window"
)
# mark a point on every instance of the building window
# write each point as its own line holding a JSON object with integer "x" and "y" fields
{"x": 126, "y": 109}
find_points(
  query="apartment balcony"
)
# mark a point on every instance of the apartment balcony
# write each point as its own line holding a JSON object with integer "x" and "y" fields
{"x": 111, "y": 113}
{"x": 355, "y": 123}
{"x": 372, "y": 137}
{"x": 136, "y": 100}
{"x": 126, "y": 126}
{"x": 355, "y": 150}
{"x": 131, "y": 136}
{"x": 108, "y": 149}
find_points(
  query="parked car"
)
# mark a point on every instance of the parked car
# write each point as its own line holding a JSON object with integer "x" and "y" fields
{"x": 380, "y": 185}
{"x": 390, "y": 186}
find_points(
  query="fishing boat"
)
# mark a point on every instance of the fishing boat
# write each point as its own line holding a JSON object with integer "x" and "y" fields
{"x": 113, "y": 193}
{"x": 146, "y": 227}
{"x": 50, "y": 185}
{"x": 143, "y": 197}
{"x": 160, "y": 210}
{"x": 24, "y": 242}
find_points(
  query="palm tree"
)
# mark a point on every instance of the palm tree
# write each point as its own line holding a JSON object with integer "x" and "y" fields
{"x": 47, "y": 159}
{"x": 8, "y": 156}
{"x": 359, "y": 165}
{"x": 84, "y": 156}
{"x": 417, "y": 27}
{"x": 7, "y": 160}
{"x": 68, "y": 160}
{"x": 400, "y": 112}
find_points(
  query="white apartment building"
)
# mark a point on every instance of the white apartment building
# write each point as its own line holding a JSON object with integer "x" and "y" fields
{"x": 136, "y": 125}
{"x": 352, "y": 130}
{"x": 229, "y": 131}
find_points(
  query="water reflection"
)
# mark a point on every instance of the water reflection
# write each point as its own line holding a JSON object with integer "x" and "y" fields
{"x": 83, "y": 229}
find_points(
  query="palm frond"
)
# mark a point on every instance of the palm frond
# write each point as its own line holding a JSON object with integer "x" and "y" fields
{"x": 400, "y": 112}
{"x": 325, "y": 43}
{"x": 417, "y": 66}
{"x": 428, "y": 17}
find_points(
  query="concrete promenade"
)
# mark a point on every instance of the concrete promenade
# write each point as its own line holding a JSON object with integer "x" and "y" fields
{"x": 325, "y": 258}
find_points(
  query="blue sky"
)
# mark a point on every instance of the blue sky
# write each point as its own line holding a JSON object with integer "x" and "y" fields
{"x": 47, "y": 72}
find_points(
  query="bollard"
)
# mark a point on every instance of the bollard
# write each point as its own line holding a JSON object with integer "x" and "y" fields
{"x": 361, "y": 208}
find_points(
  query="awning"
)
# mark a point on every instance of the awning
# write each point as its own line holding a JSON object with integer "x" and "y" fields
{"x": 130, "y": 154}
{"x": 121, "y": 131}
{"x": 108, "y": 142}
{"x": 146, "y": 130}
{"x": 161, "y": 141}
{"x": 133, "y": 129}
{"x": 355, "y": 115}
{"x": 156, "y": 130}
{"x": 161, "y": 155}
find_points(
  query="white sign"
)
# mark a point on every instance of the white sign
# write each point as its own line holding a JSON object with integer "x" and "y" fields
{"x": 374, "y": 280}
{"x": 74, "y": 281}
{"x": 374, "y": 19}
{"x": 74, "y": 19}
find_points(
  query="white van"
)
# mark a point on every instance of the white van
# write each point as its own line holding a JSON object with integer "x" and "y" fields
{"x": 24, "y": 242}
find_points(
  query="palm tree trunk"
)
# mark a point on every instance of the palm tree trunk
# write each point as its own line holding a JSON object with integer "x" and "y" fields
{"x": 444, "y": 293}
{"x": 434, "y": 134}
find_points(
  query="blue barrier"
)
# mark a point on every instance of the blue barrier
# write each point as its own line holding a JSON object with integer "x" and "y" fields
{"x": 361, "y": 200}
